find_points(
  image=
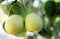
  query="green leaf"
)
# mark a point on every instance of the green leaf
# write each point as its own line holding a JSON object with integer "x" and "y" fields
{"x": 20, "y": 9}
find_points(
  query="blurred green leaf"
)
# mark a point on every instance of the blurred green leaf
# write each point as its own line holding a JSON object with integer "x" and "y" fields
{"x": 20, "y": 9}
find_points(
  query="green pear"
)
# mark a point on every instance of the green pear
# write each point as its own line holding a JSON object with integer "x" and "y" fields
{"x": 33, "y": 22}
{"x": 14, "y": 24}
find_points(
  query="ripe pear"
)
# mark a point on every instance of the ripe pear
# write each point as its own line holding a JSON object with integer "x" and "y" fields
{"x": 14, "y": 24}
{"x": 33, "y": 22}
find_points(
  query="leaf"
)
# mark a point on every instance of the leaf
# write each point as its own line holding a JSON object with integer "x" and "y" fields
{"x": 20, "y": 9}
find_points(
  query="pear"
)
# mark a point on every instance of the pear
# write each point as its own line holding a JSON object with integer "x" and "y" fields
{"x": 14, "y": 24}
{"x": 33, "y": 22}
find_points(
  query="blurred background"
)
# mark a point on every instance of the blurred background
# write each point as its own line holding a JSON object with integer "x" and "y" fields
{"x": 48, "y": 10}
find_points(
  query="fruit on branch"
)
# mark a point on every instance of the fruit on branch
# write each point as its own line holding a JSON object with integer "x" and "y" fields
{"x": 33, "y": 22}
{"x": 14, "y": 24}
